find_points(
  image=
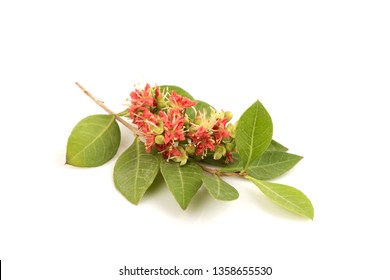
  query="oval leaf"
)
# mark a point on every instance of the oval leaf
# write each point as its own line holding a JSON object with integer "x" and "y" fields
{"x": 288, "y": 197}
{"x": 93, "y": 141}
{"x": 178, "y": 90}
{"x": 254, "y": 133}
{"x": 183, "y": 181}
{"x": 272, "y": 164}
{"x": 219, "y": 189}
{"x": 134, "y": 172}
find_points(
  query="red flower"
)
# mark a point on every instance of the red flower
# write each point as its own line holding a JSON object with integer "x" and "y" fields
{"x": 161, "y": 118}
{"x": 202, "y": 140}
{"x": 180, "y": 101}
{"x": 149, "y": 141}
{"x": 220, "y": 131}
{"x": 173, "y": 125}
{"x": 142, "y": 117}
{"x": 142, "y": 97}
{"x": 168, "y": 151}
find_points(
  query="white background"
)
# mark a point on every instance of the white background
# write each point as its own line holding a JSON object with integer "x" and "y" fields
{"x": 321, "y": 68}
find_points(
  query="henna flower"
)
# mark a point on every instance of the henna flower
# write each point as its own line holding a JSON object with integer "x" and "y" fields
{"x": 162, "y": 119}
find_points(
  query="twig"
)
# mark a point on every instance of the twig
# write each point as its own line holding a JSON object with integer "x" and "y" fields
{"x": 136, "y": 132}
{"x": 105, "y": 108}
{"x": 219, "y": 172}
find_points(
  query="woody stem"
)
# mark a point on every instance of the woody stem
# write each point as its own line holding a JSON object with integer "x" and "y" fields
{"x": 105, "y": 108}
{"x": 219, "y": 172}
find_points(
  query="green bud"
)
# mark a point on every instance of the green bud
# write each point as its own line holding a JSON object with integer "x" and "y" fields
{"x": 219, "y": 152}
{"x": 230, "y": 147}
{"x": 156, "y": 129}
{"x": 159, "y": 129}
{"x": 183, "y": 158}
{"x": 181, "y": 149}
{"x": 190, "y": 149}
{"x": 159, "y": 139}
{"x": 220, "y": 149}
{"x": 161, "y": 102}
{"x": 228, "y": 115}
{"x": 232, "y": 129}
{"x": 193, "y": 129}
{"x": 217, "y": 156}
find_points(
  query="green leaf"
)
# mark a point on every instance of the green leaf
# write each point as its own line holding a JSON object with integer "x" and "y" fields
{"x": 288, "y": 197}
{"x": 93, "y": 141}
{"x": 178, "y": 90}
{"x": 276, "y": 147}
{"x": 219, "y": 189}
{"x": 254, "y": 133}
{"x": 134, "y": 172}
{"x": 272, "y": 164}
{"x": 183, "y": 181}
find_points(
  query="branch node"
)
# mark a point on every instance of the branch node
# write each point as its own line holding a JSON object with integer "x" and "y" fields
{"x": 105, "y": 108}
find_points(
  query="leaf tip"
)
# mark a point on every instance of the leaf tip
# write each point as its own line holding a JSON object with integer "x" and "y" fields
{"x": 183, "y": 207}
{"x": 311, "y": 216}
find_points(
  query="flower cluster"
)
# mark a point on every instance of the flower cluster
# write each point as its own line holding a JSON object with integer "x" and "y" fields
{"x": 162, "y": 117}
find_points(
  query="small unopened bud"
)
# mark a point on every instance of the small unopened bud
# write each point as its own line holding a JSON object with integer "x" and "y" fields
{"x": 228, "y": 115}
{"x": 193, "y": 129}
{"x": 219, "y": 152}
{"x": 230, "y": 147}
{"x": 183, "y": 158}
{"x": 220, "y": 149}
{"x": 161, "y": 102}
{"x": 232, "y": 129}
{"x": 156, "y": 129}
{"x": 159, "y": 139}
{"x": 198, "y": 121}
{"x": 217, "y": 156}
{"x": 190, "y": 149}
{"x": 198, "y": 118}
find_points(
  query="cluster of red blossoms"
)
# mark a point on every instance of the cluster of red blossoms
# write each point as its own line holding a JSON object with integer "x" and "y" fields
{"x": 162, "y": 117}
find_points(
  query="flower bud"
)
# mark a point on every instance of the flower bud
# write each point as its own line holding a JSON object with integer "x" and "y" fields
{"x": 230, "y": 147}
{"x": 228, "y": 115}
{"x": 198, "y": 121}
{"x": 161, "y": 102}
{"x": 183, "y": 158}
{"x": 190, "y": 149}
{"x": 217, "y": 156}
{"x": 232, "y": 129}
{"x": 159, "y": 139}
{"x": 219, "y": 152}
{"x": 157, "y": 129}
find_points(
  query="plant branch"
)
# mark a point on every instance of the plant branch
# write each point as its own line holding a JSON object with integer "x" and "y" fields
{"x": 105, "y": 108}
{"x": 219, "y": 172}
